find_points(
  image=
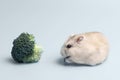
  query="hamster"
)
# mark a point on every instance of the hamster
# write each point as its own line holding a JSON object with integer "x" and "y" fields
{"x": 90, "y": 48}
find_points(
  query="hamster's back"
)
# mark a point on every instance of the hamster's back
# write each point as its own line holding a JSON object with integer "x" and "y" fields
{"x": 97, "y": 42}
{"x": 95, "y": 37}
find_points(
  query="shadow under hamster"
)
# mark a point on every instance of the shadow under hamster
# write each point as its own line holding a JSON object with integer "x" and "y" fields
{"x": 61, "y": 62}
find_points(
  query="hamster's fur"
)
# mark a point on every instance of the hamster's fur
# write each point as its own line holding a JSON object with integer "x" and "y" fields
{"x": 88, "y": 48}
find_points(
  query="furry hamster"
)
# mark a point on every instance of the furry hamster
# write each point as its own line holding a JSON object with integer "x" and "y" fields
{"x": 88, "y": 48}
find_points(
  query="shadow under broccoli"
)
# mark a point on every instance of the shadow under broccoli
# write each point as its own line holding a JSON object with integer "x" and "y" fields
{"x": 25, "y": 50}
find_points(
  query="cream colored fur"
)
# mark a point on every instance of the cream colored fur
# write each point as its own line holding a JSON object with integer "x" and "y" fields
{"x": 92, "y": 49}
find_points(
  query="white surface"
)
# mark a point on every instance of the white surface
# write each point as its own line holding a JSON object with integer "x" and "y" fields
{"x": 52, "y": 21}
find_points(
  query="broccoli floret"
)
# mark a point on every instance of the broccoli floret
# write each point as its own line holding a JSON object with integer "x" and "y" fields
{"x": 25, "y": 50}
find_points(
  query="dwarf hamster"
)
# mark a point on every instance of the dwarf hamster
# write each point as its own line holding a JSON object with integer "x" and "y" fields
{"x": 88, "y": 48}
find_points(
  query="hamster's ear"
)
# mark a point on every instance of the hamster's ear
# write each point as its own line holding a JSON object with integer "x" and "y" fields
{"x": 80, "y": 38}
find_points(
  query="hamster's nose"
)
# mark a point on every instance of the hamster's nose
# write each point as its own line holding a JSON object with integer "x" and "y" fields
{"x": 69, "y": 46}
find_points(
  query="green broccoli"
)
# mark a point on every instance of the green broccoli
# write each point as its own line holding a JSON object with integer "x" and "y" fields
{"x": 25, "y": 50}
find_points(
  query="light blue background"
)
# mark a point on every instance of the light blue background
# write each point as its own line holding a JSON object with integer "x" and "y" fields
{"x": 52, "y": 21}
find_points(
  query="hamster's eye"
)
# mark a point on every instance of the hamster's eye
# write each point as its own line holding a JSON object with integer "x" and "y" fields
{"x": 69, "y": 46}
